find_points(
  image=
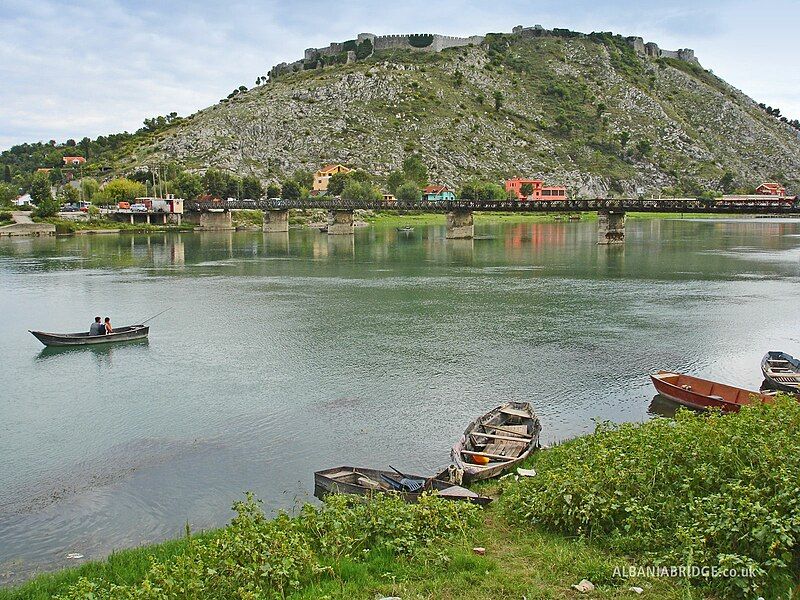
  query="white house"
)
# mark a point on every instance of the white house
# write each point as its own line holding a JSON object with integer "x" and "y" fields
{"x": 23, "y": 200}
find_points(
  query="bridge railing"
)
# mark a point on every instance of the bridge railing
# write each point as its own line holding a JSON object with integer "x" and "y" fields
{"x": 672, "y": 205}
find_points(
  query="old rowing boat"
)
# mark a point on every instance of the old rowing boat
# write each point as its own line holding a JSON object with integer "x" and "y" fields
{"x": 703, "y": 394}
{"x": 782, "y": 371}
{"x": 496, "y": 442}
{"x": 120, "y": 334}
{"x": 361, "y": 481}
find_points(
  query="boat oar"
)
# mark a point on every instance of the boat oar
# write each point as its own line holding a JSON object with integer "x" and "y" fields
{"x": 155, "y": 315}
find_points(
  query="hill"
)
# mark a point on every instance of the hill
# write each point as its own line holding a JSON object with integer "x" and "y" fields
{"x": 588, "y": 111}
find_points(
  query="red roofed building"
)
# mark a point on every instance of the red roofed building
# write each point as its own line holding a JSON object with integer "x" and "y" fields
{"x": 771, "y": 189}
{"x": 74, "y": 160}
{"x": 539, "y": 190}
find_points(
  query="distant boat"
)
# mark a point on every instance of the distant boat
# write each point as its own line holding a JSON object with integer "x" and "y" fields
{"x": 324, "y": 229}
{"x": 496, "y": 442}
{"x": 120, "y": 334}
{"x": 361, "y": 481}
{"x": 703, "y": 394}
{"x": 782, "y": 371}
{"x": 405, "y": 229}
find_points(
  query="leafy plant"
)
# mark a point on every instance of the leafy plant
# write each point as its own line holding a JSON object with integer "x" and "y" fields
{"x": 712, "y": 490}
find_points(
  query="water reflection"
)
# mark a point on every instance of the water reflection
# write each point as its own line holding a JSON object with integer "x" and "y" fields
{"x": 103, "y": 354}
{"x": 661, "y": 406}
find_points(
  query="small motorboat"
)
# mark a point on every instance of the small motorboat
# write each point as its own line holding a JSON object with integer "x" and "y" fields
{"x": 497, "y": 442}
{"x": 360, "y": 481}
{"x": 120, "y": 334}
{"x": 782, "y": 371}
{"x": 704, "y": 394}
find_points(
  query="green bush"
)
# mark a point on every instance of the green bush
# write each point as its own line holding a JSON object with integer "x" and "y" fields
{"x": 702, "y": 490}
{"x": 5, "y": 216}
{"x": 255, "y": 557}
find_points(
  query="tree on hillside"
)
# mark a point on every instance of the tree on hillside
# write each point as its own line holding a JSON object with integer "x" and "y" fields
{"x": 69, "y": 195}
{"x": 119, "y": 190}
{"x": 252, "y": 188}
{"x": 233, "y": 187}
{"x": 726, "y": 182}
{"x": 290, "y": 190}
{"x": 89, "y": 187}
{"x": 644, "y": 147}
{"x": 526, "y": 189}
{"x": 408, "y": 192}
{"x": 304, "y": 178}
{"x": 624, "y": 137}
{"x": 360, "y": 190}
{"x": 7, "y": 174}
{"x": 273, "y": 190}
{"x": 498, "y": 100}
{"x": 187, "y": 185}
{"x": 336, "y": 183}
{"x": 40, "y": 188}
{"x": 214, "y": 183}
{"x": 415, "y": 170}
{"x": 7, "y": 193}
{"x": 394, "y": 181}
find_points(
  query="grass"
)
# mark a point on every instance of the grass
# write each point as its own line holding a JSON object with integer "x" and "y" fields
{"x": 67, "y": 226}
{"x": 519, "y": 562}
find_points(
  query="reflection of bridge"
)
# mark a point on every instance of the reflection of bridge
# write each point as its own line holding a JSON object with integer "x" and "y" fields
{"x": 611, "y": 211}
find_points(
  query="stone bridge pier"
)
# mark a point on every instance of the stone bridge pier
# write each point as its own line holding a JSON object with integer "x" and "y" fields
{"x": 276, "y": 221}
{"x": 340, "y": 222}
{"x": 460, "y": 225}
{"x": 210, "y": 221}
{"x": 611, "y": 226}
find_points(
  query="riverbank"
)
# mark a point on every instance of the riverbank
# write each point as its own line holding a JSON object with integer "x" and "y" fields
{"x": 695, "y": 492}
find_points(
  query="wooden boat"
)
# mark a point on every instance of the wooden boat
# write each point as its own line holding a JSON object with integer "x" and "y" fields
{"x": 782, "y": 371}
{"x": 501, "y": 439}
{"x": 405, "y": 229}
{"x": 365, "y": 482}
{"x": 703, "y": 394}
{"x": 120, "y": 334}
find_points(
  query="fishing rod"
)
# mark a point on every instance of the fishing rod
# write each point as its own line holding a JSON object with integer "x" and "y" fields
{"x": 156, "y": 315}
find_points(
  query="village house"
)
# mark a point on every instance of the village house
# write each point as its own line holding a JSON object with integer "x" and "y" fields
{"x": 771, "y": 189}
{"x": 73, "y": 160}
{"x": 323, "y": 176}
{"x": 437, "y": 193}
{"x": 539, "y": 191}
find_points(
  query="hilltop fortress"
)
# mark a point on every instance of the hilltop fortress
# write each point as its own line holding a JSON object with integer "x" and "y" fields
{"x": 367, "y": 43}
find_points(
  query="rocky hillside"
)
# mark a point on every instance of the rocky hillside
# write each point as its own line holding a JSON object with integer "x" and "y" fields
{"x": 588, "y": 112}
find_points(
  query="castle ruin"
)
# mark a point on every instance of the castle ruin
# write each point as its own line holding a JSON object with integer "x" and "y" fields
{"x": 366, "y": 44}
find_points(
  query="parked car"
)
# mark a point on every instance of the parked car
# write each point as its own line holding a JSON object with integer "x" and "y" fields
{"x": 139, "y": 208}
{"x": 84, "y": 206}
{"x": 124, "y": 206}
{"x": 70, "y": 208}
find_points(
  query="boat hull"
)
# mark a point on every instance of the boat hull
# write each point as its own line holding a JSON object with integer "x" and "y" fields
{"x": 122, "y": 334}
{"x": 473, "y": 472}
{"x": 340, "y": 481}
{"x": 785, "y": 377}
{"x": 704, "y": 394}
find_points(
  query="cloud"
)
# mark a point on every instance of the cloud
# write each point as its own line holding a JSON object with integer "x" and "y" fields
{"x": 98, "y": 67}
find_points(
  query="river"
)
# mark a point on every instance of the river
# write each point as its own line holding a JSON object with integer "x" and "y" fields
{"x": 283, "y": 354}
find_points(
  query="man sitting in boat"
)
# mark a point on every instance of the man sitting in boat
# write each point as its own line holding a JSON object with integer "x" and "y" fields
{"x": 107, "y": 326}
{"x": 97, "y": 328}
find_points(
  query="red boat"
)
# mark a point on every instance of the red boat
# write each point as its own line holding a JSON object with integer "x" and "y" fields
{"x": 703, "y": 394}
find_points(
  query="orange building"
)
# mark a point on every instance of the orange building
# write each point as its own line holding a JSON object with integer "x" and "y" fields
{"x": 539, "y": 190}
{"x": 771, "y": 189}
{"x": 323, "y": 176}
{"x": 74, "y": 160}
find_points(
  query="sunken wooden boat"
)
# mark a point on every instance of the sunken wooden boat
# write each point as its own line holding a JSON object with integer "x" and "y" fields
{"x": 497, "y": 442}
{"x": 704, "y": 394}
{"x": 782, "y": 371}
{"x": 120, "y": 334}
{"x": 361, "y": 481}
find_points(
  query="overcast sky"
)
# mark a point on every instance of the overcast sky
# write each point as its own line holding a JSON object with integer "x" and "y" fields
{"x": 93, "y": 67}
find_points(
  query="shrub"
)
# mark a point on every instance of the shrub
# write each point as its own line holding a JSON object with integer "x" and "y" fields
{"x": 408, "y": 192}
{"x": 711, "y": 490}
{"x": 255, "y": 557}
{"x": 5, "y": 216}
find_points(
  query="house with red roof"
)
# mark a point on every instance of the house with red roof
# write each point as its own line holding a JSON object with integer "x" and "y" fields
{"x": 771, "y": 189}
{"x": 539, "y": 191}
{"x": 73, "y": 161}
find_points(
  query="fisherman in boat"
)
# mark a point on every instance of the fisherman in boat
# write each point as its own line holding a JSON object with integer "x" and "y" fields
{"x": 107, "y": 326}
{"x": 97, "y": 328}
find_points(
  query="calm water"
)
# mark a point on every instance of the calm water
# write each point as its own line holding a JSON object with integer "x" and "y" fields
{"x": 286, "y": 354}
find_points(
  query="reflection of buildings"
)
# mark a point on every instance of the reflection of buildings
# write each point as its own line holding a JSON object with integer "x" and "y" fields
{"x": 537, "y": 235}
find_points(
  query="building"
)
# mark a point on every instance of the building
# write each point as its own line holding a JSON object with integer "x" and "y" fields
{"x": 25, "y": 200}
{"x": 73, "y": 161}
{"x": 389, "y": 198}
{"x": 437, "y": 193}
{"x": 323, "y": 176}
{"x": 539, "y": 191}
{"x": 771, "y": 189}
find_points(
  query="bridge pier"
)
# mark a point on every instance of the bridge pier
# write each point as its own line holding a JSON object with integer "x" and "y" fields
{"x": 276, "y": 221}
{"x": 340, "y": 222}
{"x": 611, "y": 226}
{"x": 210, "y": 221}
{"x": 460, "y": 225}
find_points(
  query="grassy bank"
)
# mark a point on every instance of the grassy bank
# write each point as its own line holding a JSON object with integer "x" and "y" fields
{"x": 67, "y": 226}
{"x": 702, "y": 491}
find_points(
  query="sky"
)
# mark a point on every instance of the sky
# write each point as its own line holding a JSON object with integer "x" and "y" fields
{"x": 94, "y": 67}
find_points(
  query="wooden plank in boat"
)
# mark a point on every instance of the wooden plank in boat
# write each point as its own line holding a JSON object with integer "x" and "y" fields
{"x": 339, "y": 474}
{"x": 514, "y": 412}
{"x": 497, "y": 456}
{"x": 519, "y": 440}
{"x": 515, "y": 429}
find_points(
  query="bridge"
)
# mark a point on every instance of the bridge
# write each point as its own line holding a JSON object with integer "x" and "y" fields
{"x": 611, "y": 211}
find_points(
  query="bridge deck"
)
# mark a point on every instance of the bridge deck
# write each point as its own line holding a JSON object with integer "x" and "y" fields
{"x": 668, "y": 205}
